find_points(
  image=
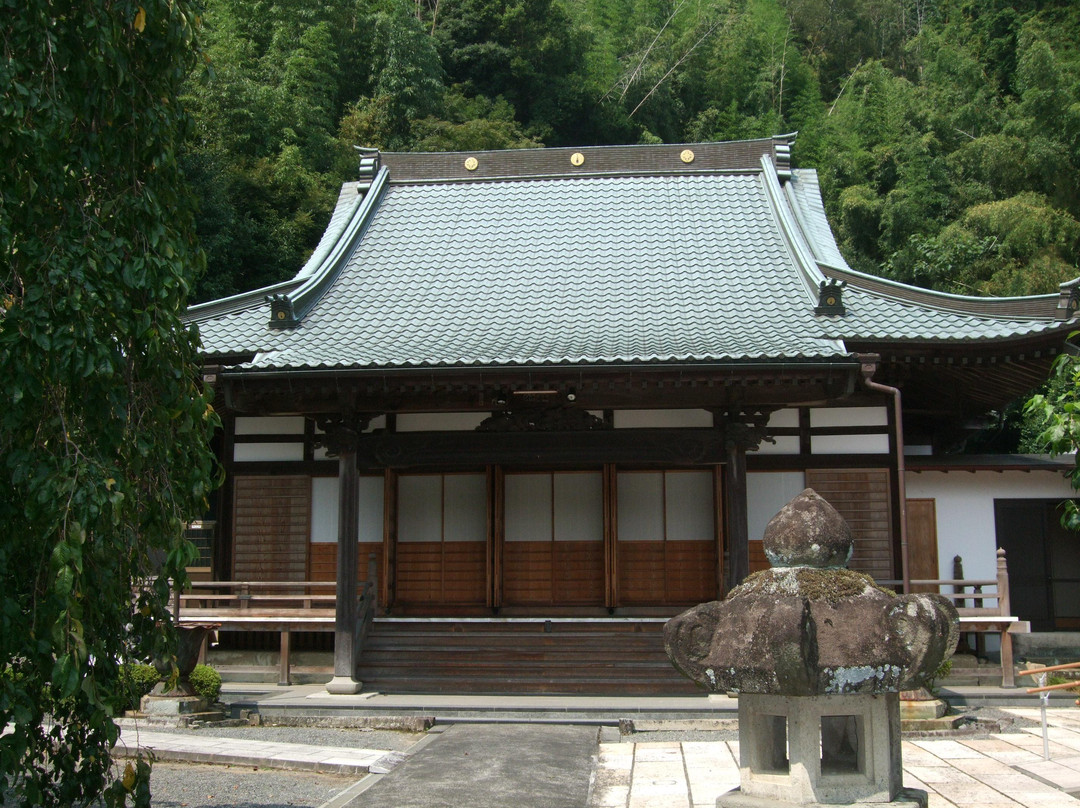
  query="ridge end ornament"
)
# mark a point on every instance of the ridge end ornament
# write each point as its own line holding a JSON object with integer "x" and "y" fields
{"x": 831, "y": 298}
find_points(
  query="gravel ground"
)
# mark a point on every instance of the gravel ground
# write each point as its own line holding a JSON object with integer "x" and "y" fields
{"x": 197, "y": 785}
{"x": 192, "y": 785}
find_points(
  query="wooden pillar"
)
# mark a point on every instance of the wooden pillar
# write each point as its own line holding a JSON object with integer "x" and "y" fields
{"x": 341, "y": 440}
{"x": 737, "y": 532}
{"x": 744, "y": 429}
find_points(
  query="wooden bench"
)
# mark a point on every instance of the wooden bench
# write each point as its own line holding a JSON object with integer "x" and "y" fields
{"x": 281, "y": 606}
{"x": 980, "y": 617}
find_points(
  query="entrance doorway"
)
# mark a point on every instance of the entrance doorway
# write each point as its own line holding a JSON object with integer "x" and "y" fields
{"x": 1044, "y": 562}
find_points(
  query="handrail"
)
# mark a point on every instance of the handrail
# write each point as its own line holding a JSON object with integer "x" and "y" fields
{"x": 977, "y": 617}
{"x": 1050, "y": 669}
{"x": 260, "y": 584}
{"x": 368, "y": 605}
{"x": 1044, "y": 695}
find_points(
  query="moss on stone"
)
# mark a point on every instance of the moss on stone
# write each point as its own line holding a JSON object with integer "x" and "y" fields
{"x": 825, "y": 585}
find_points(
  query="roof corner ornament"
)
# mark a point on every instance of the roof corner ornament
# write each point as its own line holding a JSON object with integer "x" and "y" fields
{"x": 1068, "y": 299}
{"x": 369, "y": 163}
{"x": 831, "y": 298}
{"x": 282, "y": 314}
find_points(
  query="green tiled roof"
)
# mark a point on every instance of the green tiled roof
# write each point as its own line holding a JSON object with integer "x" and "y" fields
{"x": 653, "y": 266}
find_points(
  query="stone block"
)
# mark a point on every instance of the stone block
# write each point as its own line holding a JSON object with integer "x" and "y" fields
{"x": 820, "y": 749}
{"x": 171, "y": 705}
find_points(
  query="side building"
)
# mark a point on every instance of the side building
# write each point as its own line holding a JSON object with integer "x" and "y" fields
{"x": 575, "y": 383}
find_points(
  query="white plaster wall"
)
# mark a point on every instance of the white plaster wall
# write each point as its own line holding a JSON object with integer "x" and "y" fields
{"x": 849, "y": 444}
{"x": 655, "y": 419}
{"x": 270, "y": 425}
{"x": 964, "y": 502}
{"x": 766, "y": 493}
{"x": 264, "y": 452}
{"x": 788, "y": 417}
{"x": 784, "y": 445}
{"x": 848, "y": 416}
{"x": 440, "y": 421}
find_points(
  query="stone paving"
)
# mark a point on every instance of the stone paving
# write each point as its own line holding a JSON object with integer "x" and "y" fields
{"x": 993, "y": 771}
{"x": 247, "y": 752}
{"x": 1005, "y": 769}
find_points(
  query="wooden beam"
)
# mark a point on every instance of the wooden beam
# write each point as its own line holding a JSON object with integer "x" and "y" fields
{"x": 685, "y": 447}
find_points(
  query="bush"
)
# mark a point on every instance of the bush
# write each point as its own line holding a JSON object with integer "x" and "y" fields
{"x": 942, "y": 672}
{"x": 136, "y": 681}
{"x": 207, "y": 682}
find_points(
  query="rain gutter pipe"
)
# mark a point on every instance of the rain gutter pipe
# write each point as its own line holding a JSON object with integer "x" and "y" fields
{"x": 869, "y": 367}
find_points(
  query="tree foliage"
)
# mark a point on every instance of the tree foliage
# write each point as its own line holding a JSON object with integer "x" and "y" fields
{"x": 946, "y": 132}
{"x": 103, "y": 428}
{"x": 1056, "y": 412}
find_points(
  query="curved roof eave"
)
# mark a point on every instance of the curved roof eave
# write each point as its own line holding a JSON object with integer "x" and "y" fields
{"x": 1033, "y": 307}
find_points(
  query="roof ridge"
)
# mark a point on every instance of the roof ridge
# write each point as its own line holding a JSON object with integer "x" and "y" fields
{"x": 560, "y": 162}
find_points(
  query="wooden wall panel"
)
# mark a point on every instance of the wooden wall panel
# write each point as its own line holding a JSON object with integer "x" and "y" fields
{"x": 465, "y": 572}
{"x": 640, "y": 567}
{"x": 690, "y": 572}
{"x": 527, "y": 572}
{"x": 419, "y": 572}
{"x": 271, "y": 526}
{"x": 431, "y": 573}
{"x": 862, "y": 498}
{"x": 758, "y": 560}
{"x": 579, "y": 573}
{"x": 323, "y": 564}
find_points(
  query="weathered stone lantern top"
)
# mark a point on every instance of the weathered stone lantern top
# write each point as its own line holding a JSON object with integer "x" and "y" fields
{"x": 809, "y": 626}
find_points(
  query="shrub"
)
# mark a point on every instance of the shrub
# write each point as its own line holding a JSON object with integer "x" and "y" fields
{"x": 136, "y": 681}
{"x": 942, "y": 672}
{"x": 207, "y": 682}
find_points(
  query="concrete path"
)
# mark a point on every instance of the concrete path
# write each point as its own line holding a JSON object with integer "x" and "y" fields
{"x": 1005, "y": 769}
{"x": 492, "y": 766}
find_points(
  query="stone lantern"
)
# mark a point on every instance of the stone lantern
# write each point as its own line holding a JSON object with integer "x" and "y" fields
{"x": 817, "y": 654}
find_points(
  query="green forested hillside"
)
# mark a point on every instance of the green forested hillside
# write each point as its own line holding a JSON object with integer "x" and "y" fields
{"x": 946, "y": 132}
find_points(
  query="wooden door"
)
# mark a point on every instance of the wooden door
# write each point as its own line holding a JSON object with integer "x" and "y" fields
{"x": 922, "y": 542}
{"x": 667, "y": 537}
{"x": 1043, "y": 560}
{"x": 553, "y": 539}
{"x": 441, "y": 547}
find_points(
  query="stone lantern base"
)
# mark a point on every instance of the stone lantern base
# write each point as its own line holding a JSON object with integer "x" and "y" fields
{"x": 819, "y": 751}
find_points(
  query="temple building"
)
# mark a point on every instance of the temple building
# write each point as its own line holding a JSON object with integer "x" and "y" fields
{"x": 569, "y": 383}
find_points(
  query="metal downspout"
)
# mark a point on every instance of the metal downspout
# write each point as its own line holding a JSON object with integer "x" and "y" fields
{"x": 869, "y": 366}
